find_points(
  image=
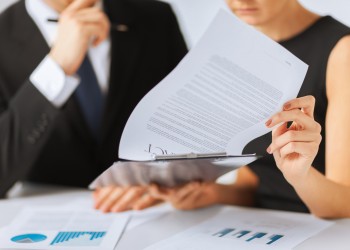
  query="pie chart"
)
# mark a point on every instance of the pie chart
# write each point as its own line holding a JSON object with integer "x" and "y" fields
{"x": 29, "y": 238}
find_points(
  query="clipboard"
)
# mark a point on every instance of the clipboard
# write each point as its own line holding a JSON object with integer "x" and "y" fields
{"x": 193, "y": 156}
{"x": 172, "y": 170}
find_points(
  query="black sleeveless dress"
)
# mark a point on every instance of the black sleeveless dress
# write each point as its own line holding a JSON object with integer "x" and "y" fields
{"x": 313, "y": 46}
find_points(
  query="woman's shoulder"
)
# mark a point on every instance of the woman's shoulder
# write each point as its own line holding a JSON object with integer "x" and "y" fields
{"x": 331, "y": 24}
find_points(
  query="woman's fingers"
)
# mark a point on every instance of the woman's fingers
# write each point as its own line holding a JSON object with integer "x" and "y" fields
{"x": 306, "y": 103}
{"x": 302, "y": 148}
{"x": 176, "y": 196}
{"x": 101, "y": 194}
{"x": 109, "y": 200}
{"x": 190, "y": 201}
{"x": 293, "y": 136}
{"x": 185, "y": 191}
{"x": 161, "y": 193}
{"x": 128, "y": 199}
{"x": 147, "y": 200}
{"x": 303, "y": 121}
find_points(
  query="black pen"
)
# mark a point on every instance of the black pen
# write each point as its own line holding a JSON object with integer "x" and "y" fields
{"x": 52, "y": 20}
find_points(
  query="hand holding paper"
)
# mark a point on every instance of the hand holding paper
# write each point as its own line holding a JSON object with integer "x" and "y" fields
{"x": 217, "y": 100}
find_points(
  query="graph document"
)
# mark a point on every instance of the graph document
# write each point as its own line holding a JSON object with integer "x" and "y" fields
{"x": 63, "y": 228}
{"x": 237, "y": 228}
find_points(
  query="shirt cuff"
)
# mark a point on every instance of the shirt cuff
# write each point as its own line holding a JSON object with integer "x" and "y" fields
{"x": 53, "y": 83}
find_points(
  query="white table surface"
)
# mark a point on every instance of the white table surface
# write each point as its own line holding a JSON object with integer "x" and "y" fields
{"x": 337, "y": 237}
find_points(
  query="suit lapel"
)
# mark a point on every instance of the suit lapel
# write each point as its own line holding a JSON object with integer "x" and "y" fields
{"x": 125, "y": 42}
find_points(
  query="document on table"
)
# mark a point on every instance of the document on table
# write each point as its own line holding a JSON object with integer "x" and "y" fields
{"x": 136, "y": 217}
{"x": 63, "y": 228}
{"x": 216, "y": 100}
{"x": 243, "y": 228}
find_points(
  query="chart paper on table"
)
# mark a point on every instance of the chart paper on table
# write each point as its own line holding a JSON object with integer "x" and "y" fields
{"x": 248, "y": 229}
{"x": 63, "y": 228}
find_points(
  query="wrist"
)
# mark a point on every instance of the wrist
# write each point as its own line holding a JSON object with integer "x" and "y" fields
{"x": 219, "y": 193}
{"x": 299, "y": 180}
{"x": 58, "y": 60}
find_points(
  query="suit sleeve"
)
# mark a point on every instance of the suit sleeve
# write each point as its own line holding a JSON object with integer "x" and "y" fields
{"x": 25, "y": 123}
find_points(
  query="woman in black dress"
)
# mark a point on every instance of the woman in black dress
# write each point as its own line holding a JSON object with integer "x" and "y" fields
{"x": 305, "y": 169}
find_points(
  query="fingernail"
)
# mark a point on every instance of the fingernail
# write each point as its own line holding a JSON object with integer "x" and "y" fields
{"x": 268, "y": 150}
{"x": 287, "y": 106}
{"x": 268, "y": 123}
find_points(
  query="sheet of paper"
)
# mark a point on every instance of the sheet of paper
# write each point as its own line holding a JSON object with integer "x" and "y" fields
{"x": 137, "y": 218}
{"x": 63, "y": 228}
{"x": 168, "y": 173}
{"x": 238, "y": 228}
{"x": 219, "y": 96}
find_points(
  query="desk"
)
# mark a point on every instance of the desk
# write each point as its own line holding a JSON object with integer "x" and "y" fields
{"x": 335, "y": 237}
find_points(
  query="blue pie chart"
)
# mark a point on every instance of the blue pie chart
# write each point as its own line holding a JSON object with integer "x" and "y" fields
{"x": 29, "y": 238}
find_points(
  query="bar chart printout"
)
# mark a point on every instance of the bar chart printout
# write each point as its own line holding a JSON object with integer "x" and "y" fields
{"x": 63, "y": 229}
{"x": 245, "y": 228}
{"x": 78, "y": 239}
{"x": 237, "y": 234}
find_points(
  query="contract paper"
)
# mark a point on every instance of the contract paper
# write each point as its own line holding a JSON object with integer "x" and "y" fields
{"x": 216, "y": 100}
{"x": 237, "y": 228}
{"x": 63, "y": 228}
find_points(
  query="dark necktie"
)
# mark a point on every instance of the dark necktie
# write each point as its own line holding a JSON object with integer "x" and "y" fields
{"x": 90, "y": 97}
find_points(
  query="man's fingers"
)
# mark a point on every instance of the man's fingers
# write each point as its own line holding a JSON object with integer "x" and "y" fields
{"x": 93, "y": 16}
{"x": 95, "y": 32}
{"x": 80, "y": 4}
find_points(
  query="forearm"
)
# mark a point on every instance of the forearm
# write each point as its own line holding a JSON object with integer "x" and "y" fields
{"x": 25, "y": 126}
{"x": 234, "y": 195}
{"x": 324, "y": 198}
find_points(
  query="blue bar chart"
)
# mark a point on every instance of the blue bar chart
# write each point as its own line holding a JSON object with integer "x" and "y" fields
{"x": 78, "y": 239}
{"x": 248, "y": 236}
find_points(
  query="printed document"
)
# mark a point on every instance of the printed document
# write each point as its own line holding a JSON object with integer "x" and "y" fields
{"x": 63, "y": 228}
{"x": 238, "y": 228}
{"x": 216, "y": 100}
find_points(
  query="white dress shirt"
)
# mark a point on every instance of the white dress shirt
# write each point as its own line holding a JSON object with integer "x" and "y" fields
{"x": 48, "y": 77}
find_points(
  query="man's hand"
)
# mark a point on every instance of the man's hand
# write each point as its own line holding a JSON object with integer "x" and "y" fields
{"x": 79, "y": 26}
{"x": 119, "y": 199}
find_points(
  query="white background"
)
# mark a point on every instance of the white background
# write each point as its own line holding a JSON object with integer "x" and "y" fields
{"x": 195, "y": 15}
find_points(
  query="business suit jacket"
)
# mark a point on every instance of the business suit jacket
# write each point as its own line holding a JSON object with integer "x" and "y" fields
{"x": 42, "y": 143}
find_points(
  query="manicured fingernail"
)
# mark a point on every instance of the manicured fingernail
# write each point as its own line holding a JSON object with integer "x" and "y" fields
{"x": 287, "y": 106}
{"x": 268, "y": 123}
{"x": 268, "y": 150}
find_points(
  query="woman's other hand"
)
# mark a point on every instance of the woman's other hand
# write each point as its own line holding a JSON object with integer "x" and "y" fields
{"x": 188, "y": 197}
{"x": 295, "y": 147}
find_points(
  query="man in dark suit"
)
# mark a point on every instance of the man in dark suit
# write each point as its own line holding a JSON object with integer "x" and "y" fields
{"x": 68, "y": 88}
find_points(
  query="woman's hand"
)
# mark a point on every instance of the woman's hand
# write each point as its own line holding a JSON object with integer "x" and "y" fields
{"x": 119, "y": 199}
{"x": 295, "y": 148}
{"x": 190, "y": 196}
